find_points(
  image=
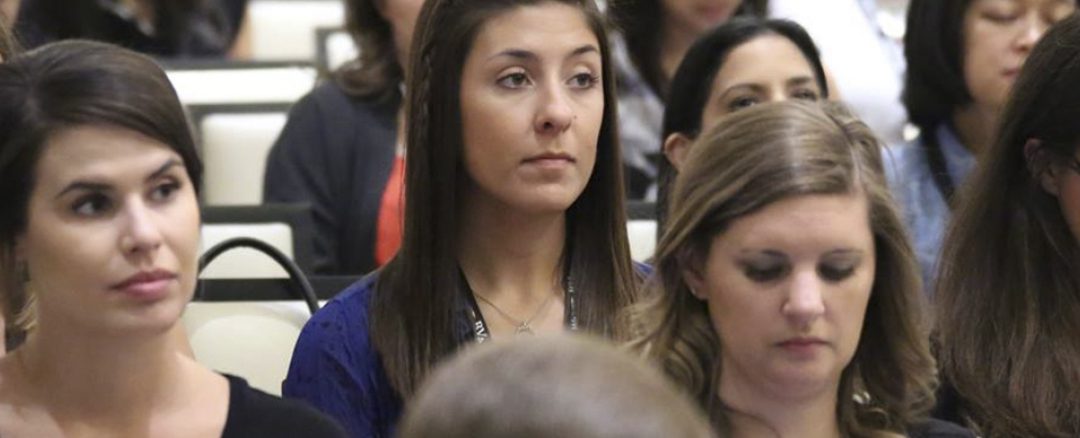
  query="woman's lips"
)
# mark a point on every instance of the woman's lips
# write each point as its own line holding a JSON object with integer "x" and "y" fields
{"x": 146, "y": 285}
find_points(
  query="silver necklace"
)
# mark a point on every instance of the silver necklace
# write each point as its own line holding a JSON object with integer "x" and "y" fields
{"x": 521, "y": 327}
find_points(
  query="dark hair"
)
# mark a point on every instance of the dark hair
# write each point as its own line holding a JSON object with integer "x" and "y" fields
{"x": 64, "y": 85}
{"x": 561, "y": 386}
{"x": 1008, "y": 291}
{"x": 414, "y": 304}
{"x": 642, "y": 25}
{"x": 690, "y": 89}
{"x": 750, "y": 160}
{"x": 377, "y": 72}
{"x": 934, "y": 84}
{"x": 181, "y": 27}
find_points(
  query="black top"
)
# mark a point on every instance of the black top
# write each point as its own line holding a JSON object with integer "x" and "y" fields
{"x": 336, "y": 153}
{"x": 205, "y": 32}
{"x": 253, "y": 413}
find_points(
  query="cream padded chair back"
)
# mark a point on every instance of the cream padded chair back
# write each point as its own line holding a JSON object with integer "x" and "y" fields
{"x": 642, "y": 235}
{"x": 234, "y": 148}
{"x": 285, "y": 29}
{"x": 253, "y": 340}
{"x": 244, "y": 84}
{"x": 336, "y": 48}
{"x": 246, "y": 262}
{"x": 641, "y": 229}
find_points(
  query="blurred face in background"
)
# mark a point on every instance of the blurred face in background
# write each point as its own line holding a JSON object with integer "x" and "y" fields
{"x": 998, "y": 35}
{"x": 401, "y": 14}
{"x": 698, "y": 16}
{"x": 769, "y": 68}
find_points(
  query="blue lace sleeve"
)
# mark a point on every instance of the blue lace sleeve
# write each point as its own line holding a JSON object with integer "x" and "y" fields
{"x": 337, "y": 370}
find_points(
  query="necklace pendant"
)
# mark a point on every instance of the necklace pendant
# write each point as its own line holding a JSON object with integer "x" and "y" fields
{"x": 523, "y": 329}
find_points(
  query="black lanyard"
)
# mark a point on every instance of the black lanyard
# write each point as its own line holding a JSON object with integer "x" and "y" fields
{"x": 478, "y": 326}
{"x": 939, "y": 170}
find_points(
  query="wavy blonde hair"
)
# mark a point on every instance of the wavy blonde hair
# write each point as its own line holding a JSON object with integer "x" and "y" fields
{"x": 752, "y": 159}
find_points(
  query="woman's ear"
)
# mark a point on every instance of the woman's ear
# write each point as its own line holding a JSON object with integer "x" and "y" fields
{"x": 693, "y": 275}
{"x": 676, "y": 146}
{"x": 1040, "y": 167}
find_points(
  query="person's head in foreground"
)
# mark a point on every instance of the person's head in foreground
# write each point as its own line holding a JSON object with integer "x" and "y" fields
{"x": 561, "y": 386}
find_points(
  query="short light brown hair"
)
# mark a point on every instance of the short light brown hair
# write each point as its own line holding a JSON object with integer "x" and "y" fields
{"x": 562, "y": 386}
{"x": 752, "y": 159}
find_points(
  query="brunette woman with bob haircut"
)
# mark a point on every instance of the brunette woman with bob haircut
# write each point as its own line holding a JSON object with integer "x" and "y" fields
{"x": 792, "y": 56}
{"x": 99, "y": 239}
{"x": 1008, "y": 311}
{"x": 514, "y": 216}
{"x": 962, "y": 59}
{"x": 786, "y": 298}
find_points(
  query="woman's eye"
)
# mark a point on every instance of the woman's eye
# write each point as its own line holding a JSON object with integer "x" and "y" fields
{"x": 807, "y": 95}
{"x": 765, "y": 273}
{"x": 584, "y": 80}
{"x": 164, "y": 191}
{"x": 1001, "y": 17}
{"x": 836, "y": 273}
{"x": 91, "y": 205}
{"x": 514, "y": 80}
{"x": 742, "y": 102}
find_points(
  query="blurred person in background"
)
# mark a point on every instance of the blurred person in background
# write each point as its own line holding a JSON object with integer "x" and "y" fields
{"x": 962, "y": 58}
{"x": 1008, "y": 292}
{"x": 860, "y": 42}
{"x": 343, "y": 149}
{"x": 742, "y": 63}
{"x": 562, "y": 386}
{"x": 653, "y": 36}
{"x": 172, "y": 29}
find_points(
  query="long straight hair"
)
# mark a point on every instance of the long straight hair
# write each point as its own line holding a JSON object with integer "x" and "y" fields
{"x": 752, "y": 159}
{"x": 1008, "y": 291}
{"x": 415, "y": 304}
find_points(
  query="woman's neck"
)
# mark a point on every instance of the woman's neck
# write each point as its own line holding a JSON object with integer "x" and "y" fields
{"x": 511, "y": 260}
{"x": 757, "y": 413}
{"x": 676, "y": 41}
{"x": 975, "y": 127}
{"x": 110, "y": 381}
{"x": 511, "y": 257}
